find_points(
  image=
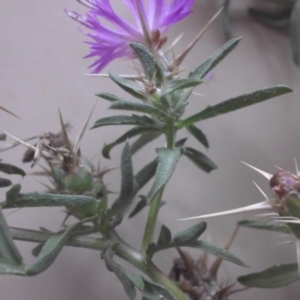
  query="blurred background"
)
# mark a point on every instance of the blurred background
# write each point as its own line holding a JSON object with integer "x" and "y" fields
{"x": 42, "y": 70}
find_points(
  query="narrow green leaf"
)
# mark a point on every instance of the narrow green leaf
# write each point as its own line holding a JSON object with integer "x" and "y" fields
{"x": 181, "y": 142}
{"x": 272, "y": 278}
{"x": 128, "y": 184}
{"x": 273, "y": 19}
{"x": 164, "y": 238}
{"x": 189, "y": 235}
{"x": 146, "y": 58}
{"x": 127, "y": 86}
{"x": 143, "y": 140}
{"x": 200, "y": 159}
{"x": 154, "y": 291}
{"x": 10, "y": 169}
{"x": 226, "y": 20}
{"x": 217, "y": 57}
{"x": 146, "y": 173}
{"x": 7, "y": 267}
{"x": 265, "y": 226}
{"x": 2, "y": 136}
{"x": 5, "y": 182}
{"x": 168, "y": 159}
{"x": 119, "y": 271}
{"x": 139, "y": 206}
{"x": 236, "y": 103}
{"x": 139, "y": 107}
{"x": 198, "y": 134}
{"x": 110, "y": 97}
{"x": 15, "y": 199}
{"x": 179, "y": 84}
{"x": 129, "y": 134}
{"x": 50, "y": 250}
{"x": 8, "y": 249}
{"x": 128, "y": 120}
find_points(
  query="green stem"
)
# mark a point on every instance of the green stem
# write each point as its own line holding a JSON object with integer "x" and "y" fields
{"x": 151, "y": 221}
{"x": 171, "y": 134}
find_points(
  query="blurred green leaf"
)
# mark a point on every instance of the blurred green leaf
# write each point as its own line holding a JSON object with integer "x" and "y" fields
{"x": 127, "y": 86}
{"x": 273, "y": 19}
{"x": 217, "y": 57}
{"x": 236, "y": 103}
{"x": 110, "y": 97}
{"x": 143, "y": 140}
{"x": 5, "y": 182}
{"x": 146, "y": 173}
{"x": 8, "y": 249}
{"x": 180, "y": 142}
{"x": 129, "y": 134}
{"x": 272, "y": 278}
{"x": 164, "y": 238}
{"x": 179, "y": 84}
{"x": 128, "y": 183}
{"x": 154, "y": 291}
{"x": 15, "y": 199}
{"x": 226, "y": 20}
{"x": 189, "y": 235}
{"x": 265, "y": 226}
{"x": 200, "y": 159}
{"x": 168, "y": 159}
{"x": 198, "y": 134}
{"x": 10, "y": 169}
{"x": 139, "y": 206}
{"x": 7, "y": 267}
{"x": 2, "y": 136}
{"x": 140, "y": 107}
{"x": 128, "y": 120}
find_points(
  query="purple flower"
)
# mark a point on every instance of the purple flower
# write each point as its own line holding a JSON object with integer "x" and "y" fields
{"x": 111, "y": 42}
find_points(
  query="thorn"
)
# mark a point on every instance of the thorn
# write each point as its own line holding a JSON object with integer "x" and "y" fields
{"x": 173, "y": 43}
{"x": 266, "y": 197}
{"x": 263, "y": 173}
{"x": 9, "y": 112}
{"x": 251, "y": 208}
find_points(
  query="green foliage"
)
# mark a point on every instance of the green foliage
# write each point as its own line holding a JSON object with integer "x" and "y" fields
{"x": 265, "y": 226}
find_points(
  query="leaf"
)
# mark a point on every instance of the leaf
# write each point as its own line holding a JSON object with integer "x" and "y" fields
{"x": 198, "y": 134}
{"x": 127, "y": 283}
{"x": 226, "y": 20}
{"x": 265, "y": 226}
{"x": 5, "y": 182}
{"x": 50, "y": 250}
{"x": 140, "y": 107}
{"x": 127, "y": 120}
{"x": 128, "y": 184}
{"x": 8, "y": 249}
{"x": 164, "y": 238}
{"x": 139, "y": 206}
{"x": 154, "y": 291}
{"x": 7, "y": 267}
{"x": 129, "y": 134}
{"x": 189, "y": 235}
{"x": 273, "y": 19}
{"x": 10, "y": 169}
{"x": 272, "y": 278}
{"x": 168, "y": 159}
{"x": 127, "y": 86}
{"x": 110, "y": 97}
{"x": 146, "y": 173}
{"x": 15, "y": 199}
{"x": 218, "y": 56}
{"x": 143, "y": 140}
{"x": 236, "y": 103}
{"x": 147, "y": 60}
{"x": 179, "y": 84}
{"x": 2, "y": 136}
{"x": 200, "y": 159}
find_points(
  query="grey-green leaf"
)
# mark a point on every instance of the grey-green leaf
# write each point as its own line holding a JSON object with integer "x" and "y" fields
{"x": 226, "y": 20}
{"x": 236, "y": 103}
{"x": 10, "y": 169}
{"x": 129, "y": 134}
{"x": 138, "y": 107}
{"x": 200, "y": 159}
{"x": 110, "y": 97}
{"x": 217, "y": 57}
{"x": 272, "y": 278}
{"x": 189, "y": 235}
{"x": 295, "y": 32}
{"x": 139, "y": 206}
{"x": 154, "y": 291}
{"x": 168, "y": 159}
{"x": 146, "y": 173}
{"x": 179, "y": 84}
{"x": 265, "y": 226}
{"x": 127, "y": 86}
{"x": 5, "y": 182}
{"x": 164, "y": 238}
{"x": 8, "y": 249}
{"x": 143, "y": 140}
{"x": 198, "y": 134}
{"x": 128, "y": 184}
{"x": 127, "y": 120}
{"x": 50, "y": 250}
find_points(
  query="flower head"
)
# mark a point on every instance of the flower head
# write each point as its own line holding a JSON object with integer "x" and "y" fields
{"x": 152, "y": 20}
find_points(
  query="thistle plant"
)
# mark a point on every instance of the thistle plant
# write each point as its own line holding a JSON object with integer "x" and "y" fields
{"x": 157, "y": 96}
